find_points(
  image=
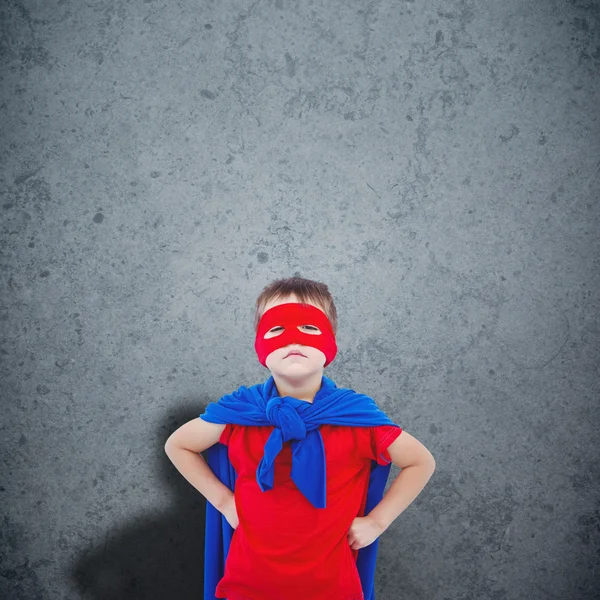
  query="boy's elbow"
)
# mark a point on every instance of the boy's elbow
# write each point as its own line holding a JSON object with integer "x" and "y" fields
{"x": 170, "y": 444}
{"x": 428, "y": 460}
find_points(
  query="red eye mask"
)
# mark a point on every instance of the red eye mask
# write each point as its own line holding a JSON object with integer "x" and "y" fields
{"x": 290, "y": 316}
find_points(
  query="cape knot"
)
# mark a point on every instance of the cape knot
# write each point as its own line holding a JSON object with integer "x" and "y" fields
{"x": 284, "y": 416}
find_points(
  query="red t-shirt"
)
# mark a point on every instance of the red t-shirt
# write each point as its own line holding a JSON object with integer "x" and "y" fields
{"x": 284, "y": 548}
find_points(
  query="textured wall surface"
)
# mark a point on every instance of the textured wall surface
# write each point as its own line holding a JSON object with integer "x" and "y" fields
{"x": 437, "y": 164}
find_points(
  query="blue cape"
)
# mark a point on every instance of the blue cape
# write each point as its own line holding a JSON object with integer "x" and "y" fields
{"x": 297, "y": 421}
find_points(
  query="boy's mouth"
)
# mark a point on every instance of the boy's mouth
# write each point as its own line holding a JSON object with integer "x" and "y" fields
{"x": 295, "y": 353}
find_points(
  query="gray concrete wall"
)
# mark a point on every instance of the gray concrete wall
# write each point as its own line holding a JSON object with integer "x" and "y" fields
{"x": 436, "y": 164}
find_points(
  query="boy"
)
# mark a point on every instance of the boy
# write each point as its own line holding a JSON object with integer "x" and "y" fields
{"x": 305, "y": 456}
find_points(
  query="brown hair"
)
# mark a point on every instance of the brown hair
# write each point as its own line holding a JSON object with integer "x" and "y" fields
{"x": 306, "y": 290}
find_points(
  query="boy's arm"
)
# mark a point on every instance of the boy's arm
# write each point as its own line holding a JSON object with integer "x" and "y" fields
{"x": 183, "y": 447}
{"x": 417, "y": 465}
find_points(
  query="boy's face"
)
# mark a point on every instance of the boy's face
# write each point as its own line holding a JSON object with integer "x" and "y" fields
{"x": 311, "y": 358}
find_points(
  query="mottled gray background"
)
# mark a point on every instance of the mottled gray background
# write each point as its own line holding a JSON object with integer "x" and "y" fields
{"x": 437, "y": 164}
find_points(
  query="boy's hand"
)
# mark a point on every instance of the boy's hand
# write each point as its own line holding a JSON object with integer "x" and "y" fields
{"x": 363, "y": 531}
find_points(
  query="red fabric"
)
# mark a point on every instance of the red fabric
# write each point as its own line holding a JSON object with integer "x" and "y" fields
{"x": 284, "y": 548}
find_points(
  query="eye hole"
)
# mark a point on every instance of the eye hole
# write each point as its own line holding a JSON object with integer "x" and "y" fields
{"x": 313, "y": 330}
{"x": 273, "y": 332}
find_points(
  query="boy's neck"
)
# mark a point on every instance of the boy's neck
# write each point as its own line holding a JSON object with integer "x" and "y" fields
{"x": 302, "y": 389}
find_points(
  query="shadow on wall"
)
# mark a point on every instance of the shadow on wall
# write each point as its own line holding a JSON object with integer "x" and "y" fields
{"x": 154, "y": 557}
{"x": 18, "y": 577}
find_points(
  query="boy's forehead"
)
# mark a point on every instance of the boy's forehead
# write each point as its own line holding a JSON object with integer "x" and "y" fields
{"x": 292, "y": 298}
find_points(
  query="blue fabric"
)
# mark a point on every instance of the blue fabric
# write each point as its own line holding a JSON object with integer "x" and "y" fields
{"x": 297, "y": 421}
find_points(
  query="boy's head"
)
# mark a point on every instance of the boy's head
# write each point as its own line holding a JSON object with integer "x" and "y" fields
{"x": 308, "y": 329}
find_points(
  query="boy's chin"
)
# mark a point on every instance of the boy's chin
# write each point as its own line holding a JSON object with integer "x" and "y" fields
{"x": 295, "y": 372}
